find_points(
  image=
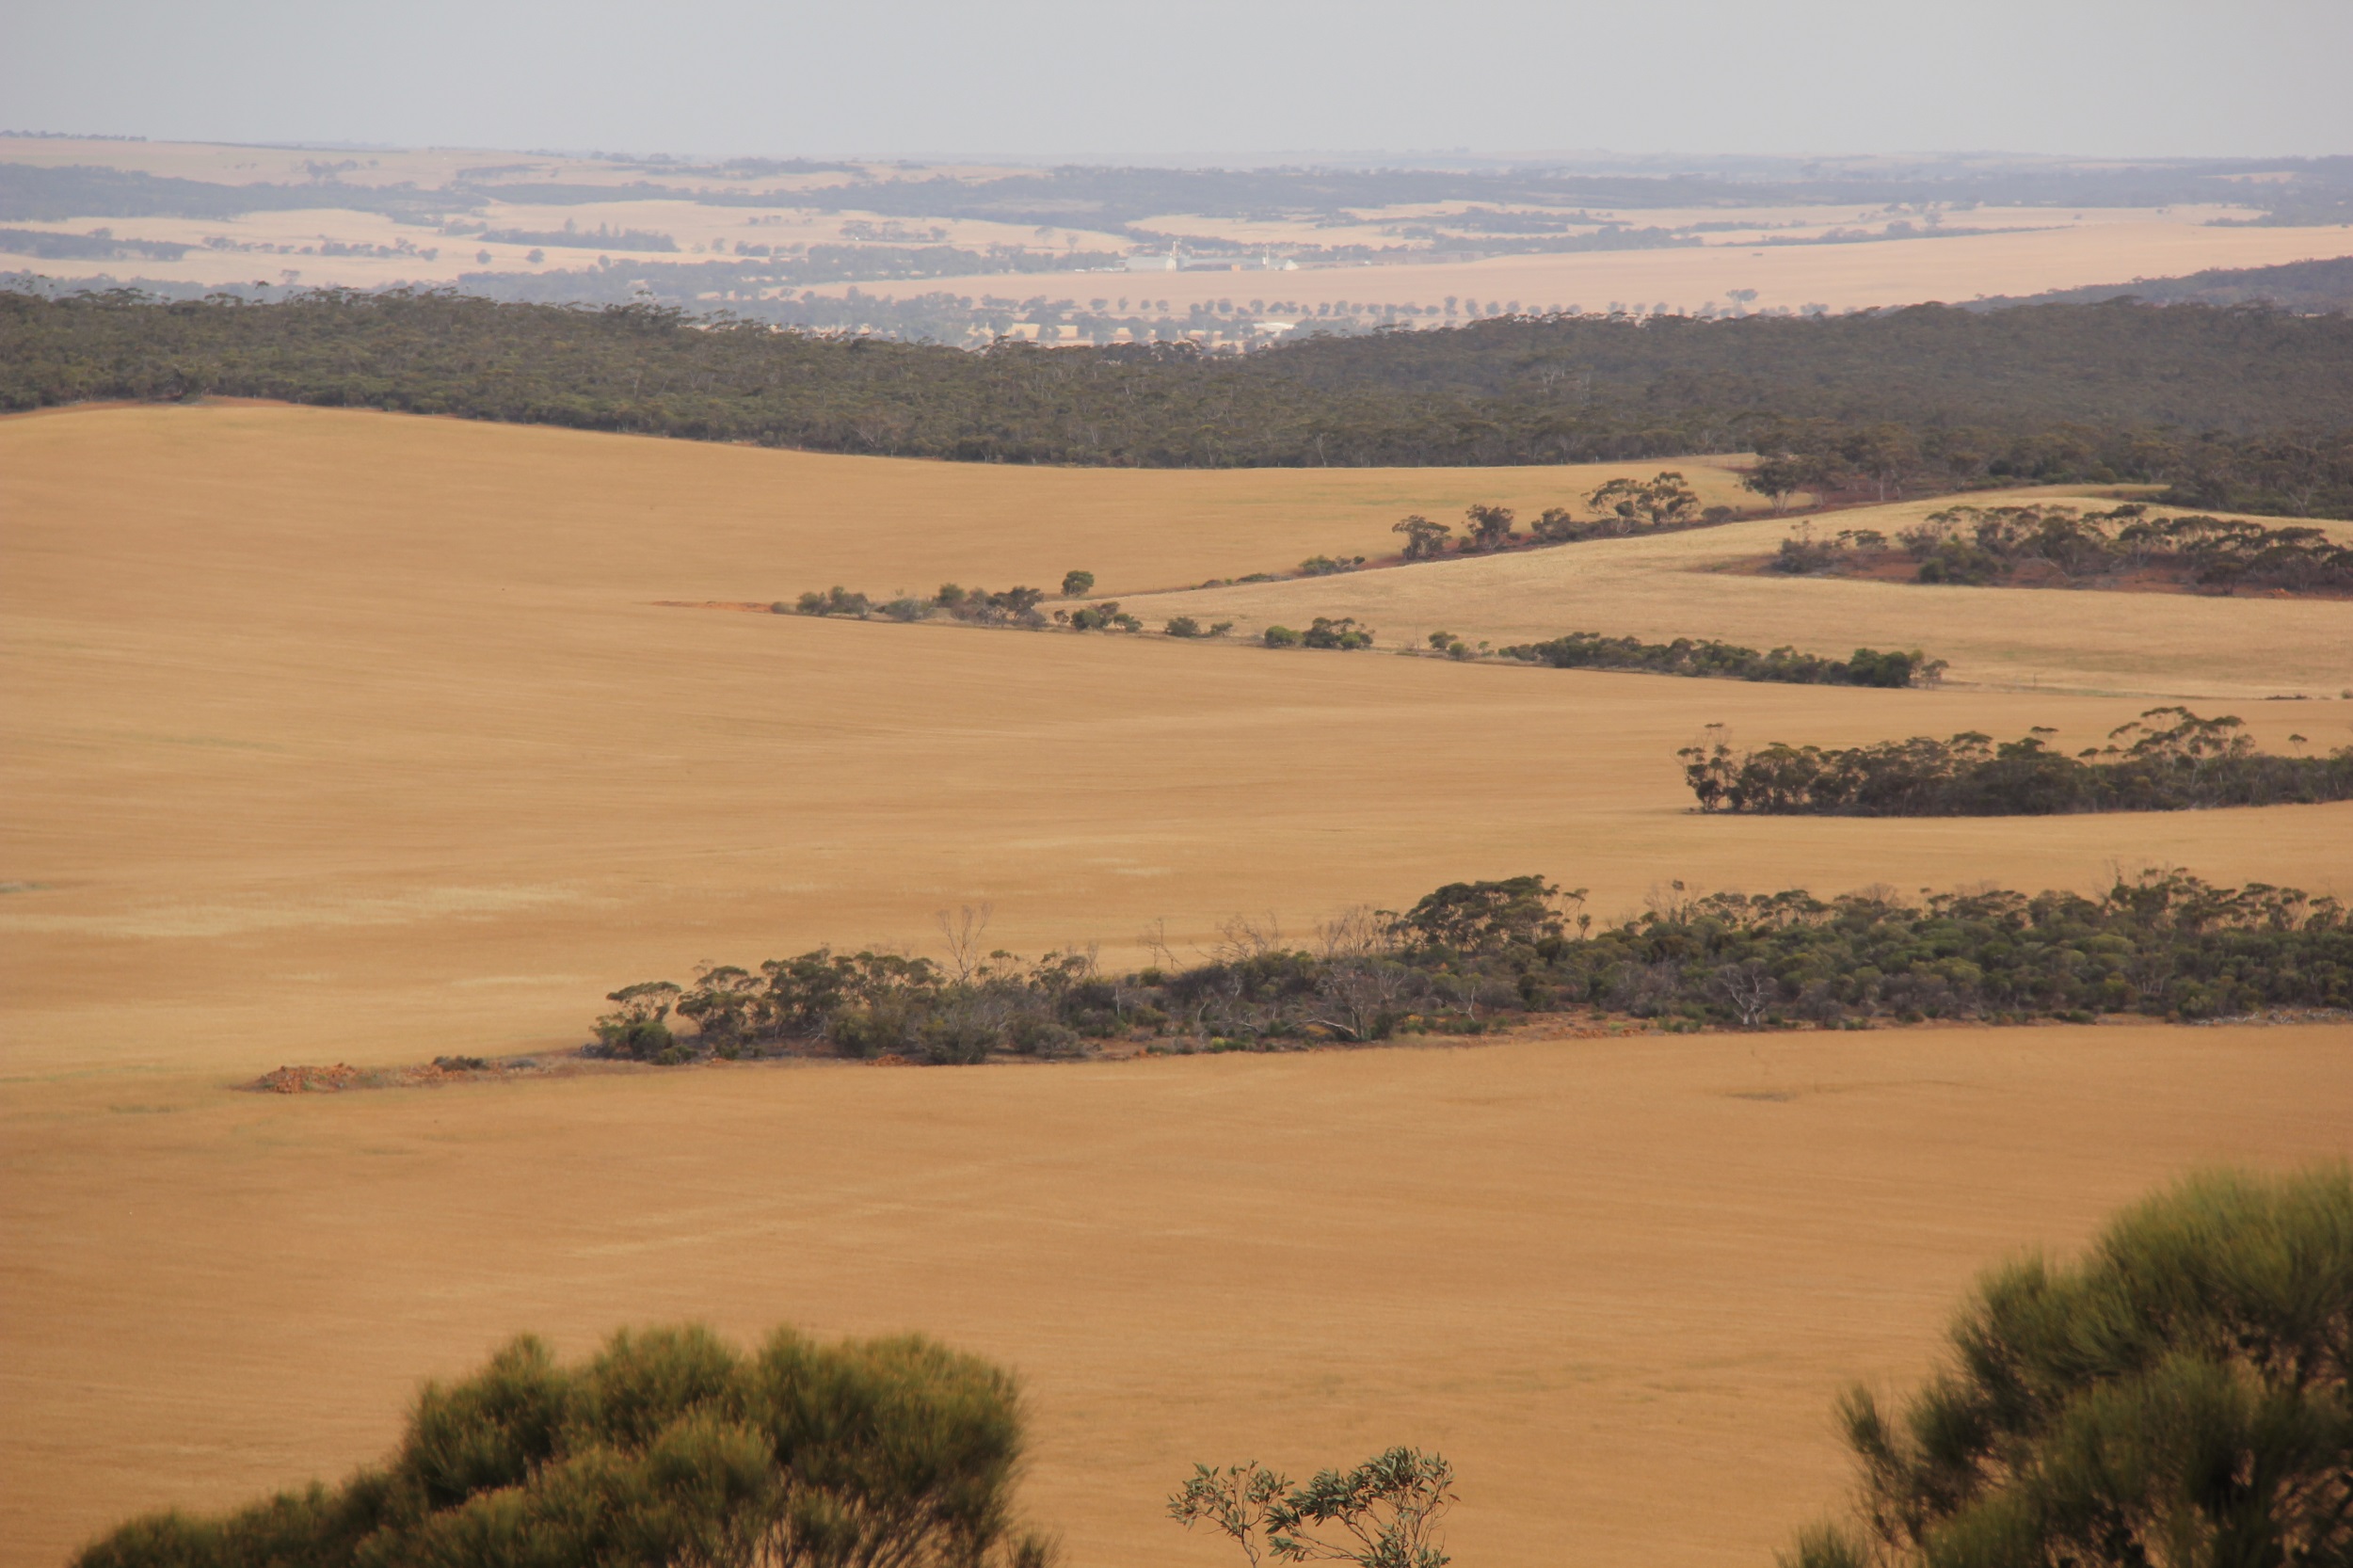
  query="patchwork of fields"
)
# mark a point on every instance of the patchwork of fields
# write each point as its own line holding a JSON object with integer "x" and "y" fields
{"x": 350, "y": 736}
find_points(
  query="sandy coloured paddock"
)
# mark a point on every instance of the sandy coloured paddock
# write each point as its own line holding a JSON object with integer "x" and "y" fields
{"x": 348, "y": 735}
{"x": 1616, "y": 1283}
{"x": 338, "y": 735}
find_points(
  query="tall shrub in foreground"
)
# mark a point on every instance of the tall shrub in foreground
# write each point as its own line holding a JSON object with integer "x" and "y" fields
{"x": 2176, "y": 1400}
{"x": 669, "y": 1448}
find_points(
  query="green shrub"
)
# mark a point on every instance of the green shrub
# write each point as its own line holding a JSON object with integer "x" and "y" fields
{"x": 2180, "y": 1396}
{"x": 1343, "y": 634}
{"x": 1077, "y": 584}
{"x": 668, "y": 1446}
{"x": 1183, "y": 626}
{"x": 835, "y": 601}
{"x": 1282, "y": 637}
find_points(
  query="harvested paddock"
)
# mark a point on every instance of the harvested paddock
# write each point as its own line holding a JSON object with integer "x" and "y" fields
{"x": 344, "y": 737}
{"x": 352, "y": 737}
{"x": 1616, "y": 1282}
{"x": 1702, "y": 582}
{"x": 1866, "y": 274}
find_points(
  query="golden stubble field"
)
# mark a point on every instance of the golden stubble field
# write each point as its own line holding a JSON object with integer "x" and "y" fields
{"x": 344, "y": 735}
{"x": 1617, "y": 1284}
{"x": 1862, "y": 275}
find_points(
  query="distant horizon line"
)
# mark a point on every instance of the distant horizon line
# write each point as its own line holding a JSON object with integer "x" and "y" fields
{"x": 1265, "y": 158}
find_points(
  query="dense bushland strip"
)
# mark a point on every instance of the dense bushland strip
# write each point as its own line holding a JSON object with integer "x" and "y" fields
{"x": 2241, "y": 409}
{"x": 2065, "y": 547}
{"x": 666, "y": 1447}
{"x": 1473, "y": 955}
{"x": 2185, "y": 764}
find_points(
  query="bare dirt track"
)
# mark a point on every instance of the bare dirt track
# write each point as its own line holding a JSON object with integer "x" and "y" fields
{"x": 335, "y": 735}
{"x": 1617, "y": 1284}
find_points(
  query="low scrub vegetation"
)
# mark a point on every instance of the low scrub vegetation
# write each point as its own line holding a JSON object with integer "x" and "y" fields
{"x": 1342, "y": 636}
{"x": 1475, "y": 955}
{"x": 2063, "y": 546}
{"x": 1015, "y": 606}
{"x": 2177, "y": 762}
{"x": 667, "y": 1447}
{"x": 1620, "y": 508}
{"x": 1592, "y": 650}
{"x": 1383, "y": 1514}
{"x": 2179, "y": 1396}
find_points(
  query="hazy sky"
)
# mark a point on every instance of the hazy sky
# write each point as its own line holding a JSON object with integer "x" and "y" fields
{"x": 1123, "y": 77}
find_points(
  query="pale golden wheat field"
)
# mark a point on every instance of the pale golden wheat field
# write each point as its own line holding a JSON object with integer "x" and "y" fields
{"x": 339, "y": 735}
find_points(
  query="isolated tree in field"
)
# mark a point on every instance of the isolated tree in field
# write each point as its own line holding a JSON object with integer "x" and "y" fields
{"x": 1481, "y": 917}
{"x": 1779, "y": 477}
{"x": 1487, "y": 527}
{"x": 1383, "y": 1514}
{"x": 2176, "y": 1400}
{"x": 1077, "y": 584}
{"x": 1424, "y": 540}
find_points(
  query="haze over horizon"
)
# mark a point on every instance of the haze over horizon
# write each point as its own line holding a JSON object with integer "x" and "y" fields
{"x": 1052, "y": 79}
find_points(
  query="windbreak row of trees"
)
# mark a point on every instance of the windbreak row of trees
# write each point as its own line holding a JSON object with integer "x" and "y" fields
{"x": 2064, "y": 546}
{"x": 1707, "y": 657}
{"x": 2239, "y": 410}
{"x": 1021, "y": 608}
{"x": 1620, "y": 508}
{"x": 2179, "y": 762}
{"x": 1474, "y": 954}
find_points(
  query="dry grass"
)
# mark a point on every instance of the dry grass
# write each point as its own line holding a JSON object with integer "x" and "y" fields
{"x": 1617, "y": 1284}
{"x": 347, "y": 736}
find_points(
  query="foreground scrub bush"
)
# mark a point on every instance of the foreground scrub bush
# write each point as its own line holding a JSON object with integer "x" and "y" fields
{"x": 1383, "y": 1514}
{"x": 668, "y": 1447}
{"x": 2177, "y": 1398}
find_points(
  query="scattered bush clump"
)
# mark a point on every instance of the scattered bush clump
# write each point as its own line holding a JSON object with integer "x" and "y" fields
{"x": 1016, "y": 606}
{"x": 1325, "y": 632}
{"x": 1343, "y": 633}
{"x": 1473, "y": 955}
{"x": 836, "y": 601}
{"x": 1685, "y": 656}
{"x": 1326, "y": 565}
{"x": 2041, "y": 546}
{"x": 667, "y": 1447}
{"x": 2180, "y": 1396}
{"x": 1106, "y": 617}
{"x": 1383, "y": 1514}
{"x": 2189, "y": 763}
{"x": 1621, "y": 508}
